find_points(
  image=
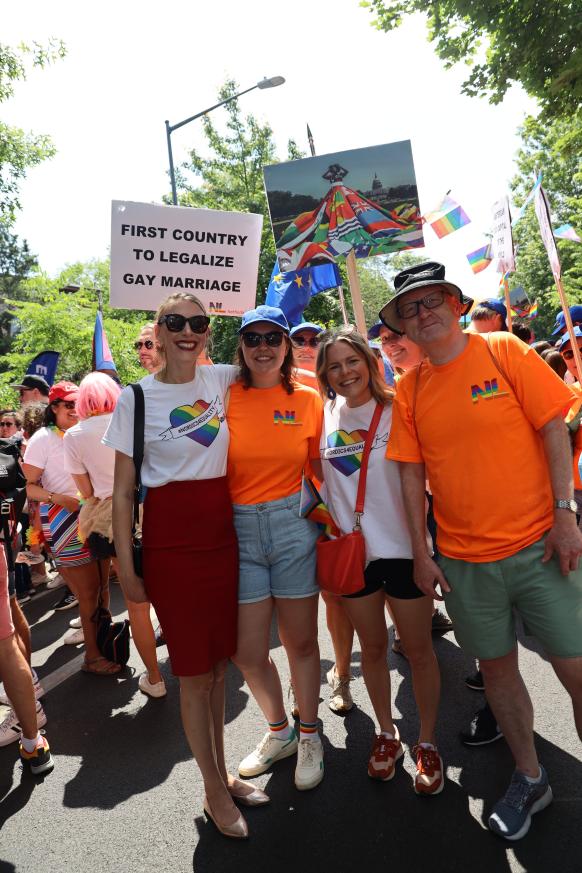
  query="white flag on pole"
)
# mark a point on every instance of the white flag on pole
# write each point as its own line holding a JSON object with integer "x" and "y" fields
{"x": 542, "y": 208}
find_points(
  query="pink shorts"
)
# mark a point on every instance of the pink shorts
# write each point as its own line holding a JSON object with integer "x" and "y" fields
{"x": 6, "y": 626}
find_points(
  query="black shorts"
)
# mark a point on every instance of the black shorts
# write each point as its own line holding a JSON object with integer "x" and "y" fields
{"x": 394, "y": 575}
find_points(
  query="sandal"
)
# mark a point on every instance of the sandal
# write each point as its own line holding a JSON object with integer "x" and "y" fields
{"x": 90, "y": 667}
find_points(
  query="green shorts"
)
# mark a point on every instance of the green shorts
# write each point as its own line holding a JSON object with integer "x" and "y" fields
{"x": 484, "y": 597}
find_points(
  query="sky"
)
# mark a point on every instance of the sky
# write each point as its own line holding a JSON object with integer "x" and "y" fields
{"x": 131, "y": 65}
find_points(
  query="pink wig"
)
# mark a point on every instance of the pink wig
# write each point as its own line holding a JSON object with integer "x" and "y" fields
{"x": 98, "y": 395}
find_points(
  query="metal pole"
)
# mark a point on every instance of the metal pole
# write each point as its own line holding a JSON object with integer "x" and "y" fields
{"x": 171, "y": 162}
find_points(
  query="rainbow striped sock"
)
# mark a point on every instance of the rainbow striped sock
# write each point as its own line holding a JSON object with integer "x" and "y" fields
{"x": 308, "y": 730}
{"x": 280, "y": 729}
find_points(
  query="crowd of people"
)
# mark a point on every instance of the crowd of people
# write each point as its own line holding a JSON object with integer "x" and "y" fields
{"x": 235, "y": 445}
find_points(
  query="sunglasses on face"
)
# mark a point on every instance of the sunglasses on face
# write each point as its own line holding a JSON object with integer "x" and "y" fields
{"x": 412, "y": 308}
{"x": 301, "y": 341}
{"x": 253, "y": 340}
{"x": 140, "y": 343}
{"x": 568, "y": 354}
{"x": 68, "y": 404}
{"x": 7, "y": 424}
{"x": 175, "y": 323}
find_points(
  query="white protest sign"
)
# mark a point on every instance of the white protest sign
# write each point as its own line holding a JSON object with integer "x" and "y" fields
{"x": 542, "y": 208}
{"x": 157, "y": 250}
{"x": 502, "y": 242}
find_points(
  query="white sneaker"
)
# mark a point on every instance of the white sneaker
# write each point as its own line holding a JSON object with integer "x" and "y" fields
{"x": 74, "y": 637}
{"x": 152, "y": 689}
{"x": 38, "y": 690}
{"x": 75, "y": 622}
{"x": 10, "y": 729}
{"x": 56, "y": 582}
{"x": 269, "y": 750}
{"x": 309, "y": 770}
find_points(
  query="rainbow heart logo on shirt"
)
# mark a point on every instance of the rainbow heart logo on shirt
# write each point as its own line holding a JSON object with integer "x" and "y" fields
{"x": 350, "y": 461}
{"x": 183, "y": 416}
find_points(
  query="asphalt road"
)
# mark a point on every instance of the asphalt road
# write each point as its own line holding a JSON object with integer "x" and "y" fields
{"x": 125, "y": 794}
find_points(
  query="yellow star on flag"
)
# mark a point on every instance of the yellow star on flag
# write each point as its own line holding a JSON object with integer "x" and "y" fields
{"x": 299, "y": 281}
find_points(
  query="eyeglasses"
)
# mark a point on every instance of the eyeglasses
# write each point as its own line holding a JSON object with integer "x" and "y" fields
{"x": 568, "y": 354}
{"x": 175, "y": 323}
{"x": 147, "y": 343}
{"x": 253, "y": 340}
{"x": 412, "y": 308}
{"x": 301, "y": 341}
{"x": 68, "y": 404}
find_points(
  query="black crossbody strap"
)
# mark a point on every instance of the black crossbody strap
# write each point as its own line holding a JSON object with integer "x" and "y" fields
{"x": 138, "y": 445}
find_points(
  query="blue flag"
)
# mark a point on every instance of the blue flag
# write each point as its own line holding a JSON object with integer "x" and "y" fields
{"x": 44, "y": 365}
{"x": 292, "y": 291}
{"x": 102, "y": 357}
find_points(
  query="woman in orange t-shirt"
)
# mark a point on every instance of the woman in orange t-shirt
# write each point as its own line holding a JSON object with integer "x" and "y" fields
{"x": 275, "y": 426}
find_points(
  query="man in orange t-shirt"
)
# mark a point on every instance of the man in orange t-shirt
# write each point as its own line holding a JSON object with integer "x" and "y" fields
{"x": 508, "y": 540}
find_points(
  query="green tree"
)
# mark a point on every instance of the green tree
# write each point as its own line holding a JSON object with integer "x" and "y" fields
{"x": 536, "y": 44}
{"x": 51, "y": 319}
{"x": 16, "y": 263}
{"x": 554, "y": 148}
{"x": 19, "y": 151}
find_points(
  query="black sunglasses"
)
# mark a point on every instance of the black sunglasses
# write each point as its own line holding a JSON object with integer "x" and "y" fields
{"x": 7, "y": 424}
{"x": 68, "y": 404}
{"x": 253, "y": 340}
{"x": 568, "y": 354}
{"x": 301, "y": 341}
{"x": 175, "y": 323}
{"x": 139, "y": 343}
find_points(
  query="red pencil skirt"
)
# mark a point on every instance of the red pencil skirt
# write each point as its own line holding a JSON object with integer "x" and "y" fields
{"x": 190, "y": 564}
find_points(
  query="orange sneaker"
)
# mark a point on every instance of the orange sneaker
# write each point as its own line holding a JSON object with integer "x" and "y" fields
{"x": 385, "y": 753}
{"x": 429, "y": 777}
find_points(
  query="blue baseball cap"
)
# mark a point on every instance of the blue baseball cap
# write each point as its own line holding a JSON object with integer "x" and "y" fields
{"x": 566, "y": 338}
{"x": 495, "y": 305}
{"x": 271, "y": 314}
{"x": 306, "y": 325}
{"x": 374, "y": 331}
{"x": 575, "y": 315}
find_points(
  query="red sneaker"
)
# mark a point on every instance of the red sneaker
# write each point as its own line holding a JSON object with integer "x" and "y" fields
{"x": 429, "y": 777}
{"x": 385, "y": 753}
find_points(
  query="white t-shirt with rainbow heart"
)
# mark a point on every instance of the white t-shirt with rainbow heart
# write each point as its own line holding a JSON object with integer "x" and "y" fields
{"x": 342, "y": 442}
{"x": 186, "y": 434}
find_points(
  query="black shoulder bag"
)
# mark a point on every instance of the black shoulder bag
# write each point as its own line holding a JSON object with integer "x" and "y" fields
{"x": 12, "y": 495}
{"x": 138, "y": 450}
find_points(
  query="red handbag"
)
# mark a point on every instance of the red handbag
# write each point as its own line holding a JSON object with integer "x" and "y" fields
{"x": 341, "y": 561}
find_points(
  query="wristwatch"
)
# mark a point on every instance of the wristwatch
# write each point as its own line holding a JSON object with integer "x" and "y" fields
{"x": 570, "y": 505}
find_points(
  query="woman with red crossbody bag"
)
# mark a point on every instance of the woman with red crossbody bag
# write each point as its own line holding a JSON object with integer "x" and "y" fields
{"x": 359, "y": 402}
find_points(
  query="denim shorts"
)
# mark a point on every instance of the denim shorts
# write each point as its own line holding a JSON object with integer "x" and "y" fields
{"x": 276, "y": 551}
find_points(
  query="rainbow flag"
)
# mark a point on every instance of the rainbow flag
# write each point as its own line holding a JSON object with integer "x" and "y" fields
{"x": 313, "y": 507}
{"x": 533, "y": 311}
{"x": 450, "y": 216}
{"x": 480, "y": 258}
{"x": 566, "y": 231}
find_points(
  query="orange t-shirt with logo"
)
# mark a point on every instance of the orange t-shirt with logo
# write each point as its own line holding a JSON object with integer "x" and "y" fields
{"x": 272, "y": 437}
{"x": 477, "y": 436}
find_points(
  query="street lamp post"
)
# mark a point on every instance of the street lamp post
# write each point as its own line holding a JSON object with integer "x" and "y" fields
{"x": 273, "y": 82}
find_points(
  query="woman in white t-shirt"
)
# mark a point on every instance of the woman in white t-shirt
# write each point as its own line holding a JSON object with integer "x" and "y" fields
{"x": 91, "y": 464}
{"x": 51, "y": 485}
{"x": 190, "y": 550}
{"x": 348, "y": 374}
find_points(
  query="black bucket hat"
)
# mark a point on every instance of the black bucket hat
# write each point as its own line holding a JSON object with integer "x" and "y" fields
{"x": 419, "y": 276}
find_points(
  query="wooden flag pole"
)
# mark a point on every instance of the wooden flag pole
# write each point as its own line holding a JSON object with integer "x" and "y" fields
{"x": 570, "y": 327}
{"x": 508, "y": 307}
{"x": 355, "y": 291}
{"x": 342, "y": 301}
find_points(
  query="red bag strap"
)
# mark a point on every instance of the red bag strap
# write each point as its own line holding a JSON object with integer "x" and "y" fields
{"x": 364, "y": 465}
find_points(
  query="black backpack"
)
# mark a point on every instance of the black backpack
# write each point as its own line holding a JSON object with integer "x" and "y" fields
{"x": 12, "y": 494}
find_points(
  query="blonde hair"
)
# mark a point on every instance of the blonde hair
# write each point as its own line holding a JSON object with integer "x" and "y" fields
{"x": 164, "y": 307}
{"x": 381, "y": 393}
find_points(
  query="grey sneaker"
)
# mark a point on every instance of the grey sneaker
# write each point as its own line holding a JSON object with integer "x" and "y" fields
{"x": 511, "y": 816}
{"x": 341, "y": 698}
{"x": 269, "y": 750}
